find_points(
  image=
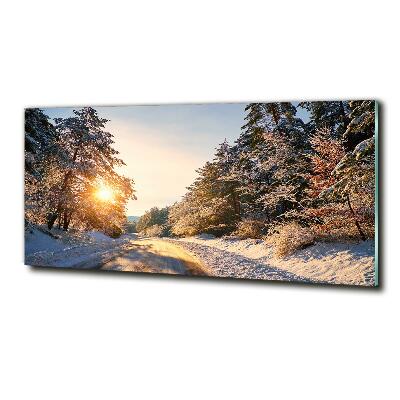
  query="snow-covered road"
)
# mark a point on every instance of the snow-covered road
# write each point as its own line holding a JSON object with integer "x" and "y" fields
{"x": 132, "y": 254}
{"x": 155, "y": 256}
{"x": 96, "y": 251}
{"x": 335, "y": 263}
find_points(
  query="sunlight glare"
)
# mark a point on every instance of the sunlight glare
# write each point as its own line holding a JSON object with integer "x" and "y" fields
{"x": 104, "y": 193}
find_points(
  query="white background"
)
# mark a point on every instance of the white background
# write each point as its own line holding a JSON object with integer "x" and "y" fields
{"x": 68, "y": 335}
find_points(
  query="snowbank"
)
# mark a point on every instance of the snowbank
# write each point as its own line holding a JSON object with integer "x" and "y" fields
{"x": 70, "y": 249}
{"x": 99, "y": 237}
{"x": 336, "y": 263}
{"x": 36, "y": 240}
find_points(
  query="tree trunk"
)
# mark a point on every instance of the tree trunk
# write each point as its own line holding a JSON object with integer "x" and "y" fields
{"x": 362, "y": 234}
{"x": 268, "y": 218}
{"x": 236, "y": 204}
{"x": 51, "y": 219}
{"x": 67, "y": 219}
{"x": 344, "y": 116}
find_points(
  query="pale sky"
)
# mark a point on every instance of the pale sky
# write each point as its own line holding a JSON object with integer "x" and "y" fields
{"x": 163, "y": 146}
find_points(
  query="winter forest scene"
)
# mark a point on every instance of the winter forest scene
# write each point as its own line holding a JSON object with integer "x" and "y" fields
{"x": 282, "y": 191}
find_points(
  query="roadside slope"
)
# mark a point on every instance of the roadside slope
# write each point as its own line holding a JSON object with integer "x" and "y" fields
{"x": 334, "y": 263}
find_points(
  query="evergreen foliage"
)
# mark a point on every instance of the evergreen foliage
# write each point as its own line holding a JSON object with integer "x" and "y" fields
{"x": 155, "y": 216}
{"x": 319, "y": 174}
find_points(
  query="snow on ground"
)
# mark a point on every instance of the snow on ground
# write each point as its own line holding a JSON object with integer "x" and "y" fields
{"x": 36, "y": 241}
{"x": 337, "y": 263}
{"x": 99, "y": 237}
{"x": 72, "y": 249}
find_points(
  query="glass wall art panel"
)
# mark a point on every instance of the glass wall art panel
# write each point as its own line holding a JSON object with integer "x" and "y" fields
{"x": 276, "y": 191}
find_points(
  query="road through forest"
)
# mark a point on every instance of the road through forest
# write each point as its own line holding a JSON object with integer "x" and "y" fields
{"x": 340, "y": 263}
{"x": 176, "y": 257}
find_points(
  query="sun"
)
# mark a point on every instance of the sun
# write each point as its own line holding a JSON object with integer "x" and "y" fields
{"x": 104, "y": 193}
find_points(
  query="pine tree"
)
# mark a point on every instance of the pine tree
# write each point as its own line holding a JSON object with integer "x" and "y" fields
{"x": 212, "y": 203}
{"x": 286, "y": 167}
{"x": 40, "y": 142}
{"x": 40, "y": 135}
{"x": 246, "y": 168}
{"x": 272, "y": 129}
{"x": 152, "y": 217}
{"x": 331, "y": 115}
{"x": 362, "y": 123}
{"x": 228, "y": 181}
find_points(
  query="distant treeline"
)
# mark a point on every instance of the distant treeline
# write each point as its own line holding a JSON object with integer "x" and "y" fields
{"x": 66, "y": 161}
{"x": 313, "y": 179}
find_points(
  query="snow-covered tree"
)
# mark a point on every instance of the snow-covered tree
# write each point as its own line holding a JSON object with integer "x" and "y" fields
{"x": 326, "y": 153}
{"x": 341, "y": 186}
{"x": 282, "y": 169}
{"x": 80, "y": 158}
{"x": 40, "y": 142}
{"x": 286, "y": 167}
{"x": 273, "y": 140}
{"x": 154, "y": 216}
{"x": 355, "y": 182}
{"x": 362, "y": 123}
{"x": 40, "y": 136}
{"x": 212, "y": 203}
{"x": 331, "y": 115}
